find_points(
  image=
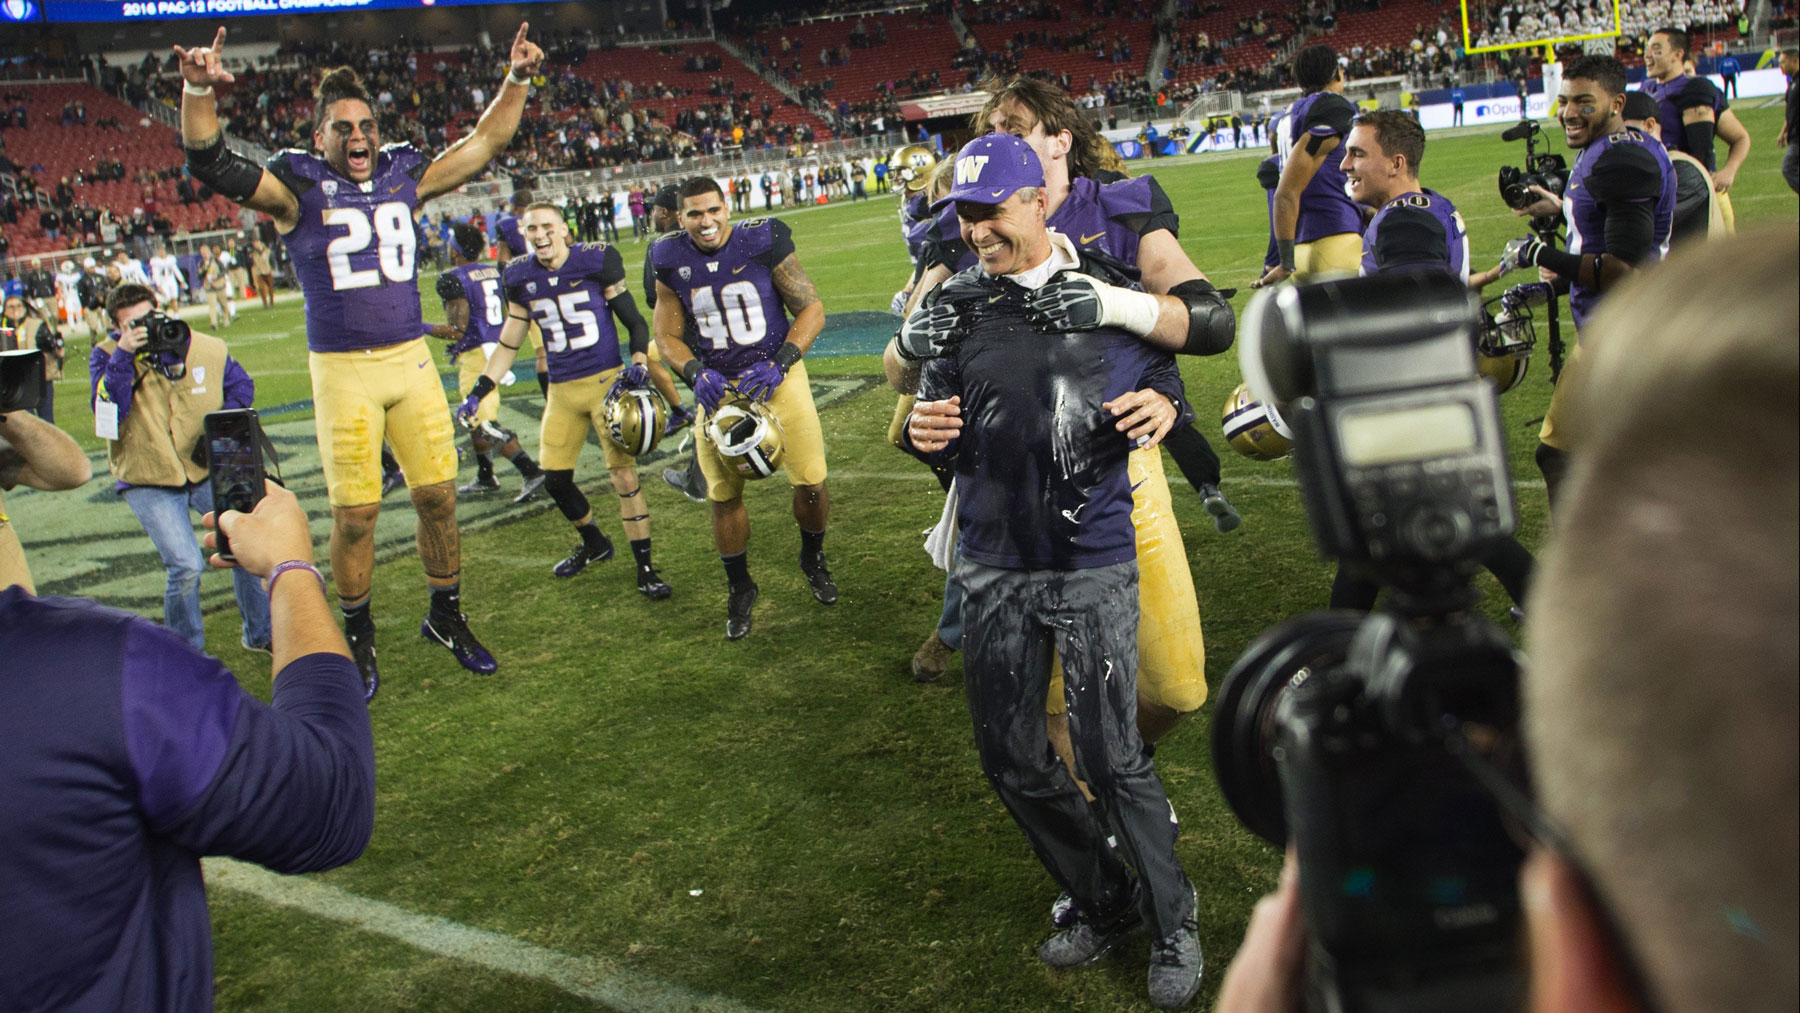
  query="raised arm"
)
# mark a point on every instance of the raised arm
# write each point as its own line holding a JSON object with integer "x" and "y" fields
{"x": 210, "y": 162}
{"x": 465, "y": 159}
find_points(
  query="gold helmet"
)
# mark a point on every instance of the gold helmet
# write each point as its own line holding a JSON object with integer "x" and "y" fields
{"x": 634, "y": 418}
{"x": 911, "y": 166}
{"x": 1254, "y": 429}
{"x": 748, "y": 437}
{"x": 1503, "y": 345}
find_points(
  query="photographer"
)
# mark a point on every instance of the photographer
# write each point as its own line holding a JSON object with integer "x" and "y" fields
{"x": 33, "y": 453}
{"x": 154, "y": 380}
{"x": 22, "y": 329}
{"x": 1660, "y": 708}
{"x": 125, "y": 756}
{"x": 1620, "y": 210}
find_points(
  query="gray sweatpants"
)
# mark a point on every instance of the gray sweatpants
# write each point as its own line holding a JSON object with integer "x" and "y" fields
{"x": 1012, "y": 621}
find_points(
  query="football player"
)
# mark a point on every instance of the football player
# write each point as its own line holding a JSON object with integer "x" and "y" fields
{"x": 1620, "y": 209}
{"x": 737, "y": 286}
{"x": 690, "y": 481}
{"x": 165, "y": 274}
{"x": 476, "y": 308}
{"x": 1698, "y": 214}
{"x": 1693, "y": 112}
{"x": 346, "y": 215}
{"x": 506, "y": 224}
{"x": 573, "y": 293}
{"x": 1318, "y": 229}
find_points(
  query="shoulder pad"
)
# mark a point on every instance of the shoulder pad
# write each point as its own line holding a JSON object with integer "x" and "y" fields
{"x": 1626, "y": 170}
{"x": 516, "y": 265}
{"x": 450, "y": 286}
{"x": 1697, "y": 92}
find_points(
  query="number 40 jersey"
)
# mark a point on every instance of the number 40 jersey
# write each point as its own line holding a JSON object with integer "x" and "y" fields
{"x": 355, "y": 248}
{"x": 729, "y": 294}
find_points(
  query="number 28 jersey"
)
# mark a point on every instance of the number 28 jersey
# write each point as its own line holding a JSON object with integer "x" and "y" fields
{"x": 729, "y": 294}
{"x": 568, "y": 304}
{"x": 355, "y": 249}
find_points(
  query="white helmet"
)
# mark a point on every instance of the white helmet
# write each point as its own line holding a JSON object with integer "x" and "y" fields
{"x": 748, "y": 436}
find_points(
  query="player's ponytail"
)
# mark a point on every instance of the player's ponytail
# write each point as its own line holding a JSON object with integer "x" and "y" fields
{"x": 338, "y": 83}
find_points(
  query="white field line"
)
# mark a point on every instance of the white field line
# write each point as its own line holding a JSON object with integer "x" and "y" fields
{"x": 590, "y": 978}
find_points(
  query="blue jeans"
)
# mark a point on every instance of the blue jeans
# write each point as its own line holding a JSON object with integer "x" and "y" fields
{"x": 164, "y": 514}
{"x": 950, "y": 623}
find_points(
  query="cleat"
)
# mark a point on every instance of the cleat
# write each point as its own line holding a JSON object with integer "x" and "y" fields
{"x": 824, "y": 589}
{"x": 1517, "y": 615}
{"x": 391, "y": 481}
{"x": 1088, "y": 939}
{"x": 737, "y": 612}
{"x": 678, "y": 480}
{"x": 651, "y": 585}
{"x": 529, "y": 491}
{"x": 1062, "y": 912}
{"x": 1175, "y": 966}
{"x": 680, "y": 416}
{"x": 1225, "y": 516}
{"x": 479, "y": 487}
{"x": 581, "y": 557}
{"x": 362, "y": 649}
{"x": 453, "y": 633}
{"x": 930, "y": 663}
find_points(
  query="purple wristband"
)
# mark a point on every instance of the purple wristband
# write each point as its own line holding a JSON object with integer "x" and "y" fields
{"x": 292, "y": 564}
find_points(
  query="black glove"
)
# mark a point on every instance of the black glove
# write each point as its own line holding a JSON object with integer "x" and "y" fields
{"x": 931, "y": 332}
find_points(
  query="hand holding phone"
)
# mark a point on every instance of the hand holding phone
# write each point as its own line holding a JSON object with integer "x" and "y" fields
{"x": 234, "y": 465}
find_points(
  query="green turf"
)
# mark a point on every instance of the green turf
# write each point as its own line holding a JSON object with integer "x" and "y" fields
{"x": 847, "y": 852}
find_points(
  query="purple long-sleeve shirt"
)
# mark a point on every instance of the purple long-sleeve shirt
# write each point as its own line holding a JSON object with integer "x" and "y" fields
{"x": 125, "y": 756}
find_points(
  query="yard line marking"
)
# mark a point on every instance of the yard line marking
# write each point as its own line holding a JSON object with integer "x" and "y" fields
{"x": 590, "y": 978}
{"x": 923, "y": 475}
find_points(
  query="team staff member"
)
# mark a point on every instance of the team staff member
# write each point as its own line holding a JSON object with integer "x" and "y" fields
{"x": 346, "y": 216}
{"x": 125, "y": 755}
{"x": 1039, "y": 423}
{"x": 22, "y": 329}
{"x": 737, "y": 287}
{"x": 36, "y": 454}
{"x": 151, "y": 408}
{"x": 1620, "y": 210}
{"x": 573, "y": 293}
{"x": 1318, "y": 228}
{"x": 475, "y": 308}
{"x": 1693, "y": 112}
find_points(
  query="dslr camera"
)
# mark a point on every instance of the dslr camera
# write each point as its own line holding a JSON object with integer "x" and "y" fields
{"x": 21, "y": 380}
{"x": 1352, "y": 736}
{"x": 165, "y": 334}
{"x": 1545, "y": 169}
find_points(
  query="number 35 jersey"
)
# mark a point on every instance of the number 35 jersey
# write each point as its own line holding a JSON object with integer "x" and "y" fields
{"x": 355, "y": 248}
{"x": 568, "y": 304}
{"x": 729, "y": 295}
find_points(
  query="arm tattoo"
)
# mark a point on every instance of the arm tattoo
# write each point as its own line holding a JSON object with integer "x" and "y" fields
{"x": 790, "y": 279}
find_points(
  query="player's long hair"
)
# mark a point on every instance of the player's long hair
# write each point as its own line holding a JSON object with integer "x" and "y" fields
{"x": 339, "y": 83}
{"x": 1057, "y": 112}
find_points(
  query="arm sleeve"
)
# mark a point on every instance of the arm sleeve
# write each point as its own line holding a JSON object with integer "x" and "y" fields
{"x": 1411, "y": 237}
{"x": 449, "y": 288}
{"x": 1699, "y": 142}
{"x": 1630, "y": 231}
{"x": 1162, "y": 212}
{"x": 624, "y": 307}
{"x": 650, "y": 276}
{"x": 240, "y": 389}
{"x": 612, "y": 267}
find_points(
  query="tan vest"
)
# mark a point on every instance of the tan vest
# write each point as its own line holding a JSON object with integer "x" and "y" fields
{"x": 157, "y": 439}
{"x": 12, "y": 556}
{"x": 25, "y": 336}
{"x": 1716, "y": 226}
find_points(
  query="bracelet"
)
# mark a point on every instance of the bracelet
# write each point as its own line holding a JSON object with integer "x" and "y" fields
{"x": 512, "y": 77}
{"x": 292, "y": 564}
{"x": 189, "y": 89}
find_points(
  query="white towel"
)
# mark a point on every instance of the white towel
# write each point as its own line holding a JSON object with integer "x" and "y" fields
{"x": 940, "y": 541}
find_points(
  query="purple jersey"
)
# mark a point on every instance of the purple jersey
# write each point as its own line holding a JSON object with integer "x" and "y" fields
{"x": 729, "y": 295}
{"x": 1628, "y": 167}
{"x": 569, "y": 306}
{"x": 355, "y": 249}
{"x": 507, "y": 228}
{"x": 479, "y": 284}
{"x": 1325, "y": 207}
{"x": 1415, "y": 230}
{"x": 915, "y": 222}
{"x": 1676, "y": 96}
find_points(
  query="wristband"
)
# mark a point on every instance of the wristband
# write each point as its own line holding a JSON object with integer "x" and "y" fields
{"x": 1285, "y": 248}
{"x": 484, "y": 385}
{"x": 292, "y": 564}
{"x": 788, "y": 354}
{"x": 690, "y": 371}
{"x": 512, "y": 77}
{"x": 189, "y": 88}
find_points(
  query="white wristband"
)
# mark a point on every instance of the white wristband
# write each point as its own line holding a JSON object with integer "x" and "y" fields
{"x": 1136, "y": 312}
{"x": 189, "y": 89}
{"x": 512, "y": 77}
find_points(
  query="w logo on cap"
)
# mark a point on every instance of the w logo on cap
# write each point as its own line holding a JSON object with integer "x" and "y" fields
{"x": 968, "y": 169}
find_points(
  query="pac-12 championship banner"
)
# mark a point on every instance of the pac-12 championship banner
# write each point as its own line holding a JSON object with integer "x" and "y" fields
{"x": 135, "y": 10}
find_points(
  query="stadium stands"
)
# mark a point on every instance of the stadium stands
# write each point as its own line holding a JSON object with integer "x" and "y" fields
{"x": 916, "y": 42}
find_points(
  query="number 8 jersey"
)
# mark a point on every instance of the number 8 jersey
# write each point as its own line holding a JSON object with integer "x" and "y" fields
{"x": 355, "y": 249}
{"x": 729, "y": 294}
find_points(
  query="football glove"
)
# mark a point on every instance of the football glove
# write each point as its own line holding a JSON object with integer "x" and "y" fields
{"x": 898, "y": 305}
{"x": 930, "y": 333}
{"x": 1521, "y": 253}
{"x": 1073, "y": 302}
{"x": 709, "y": 388}
{"x": 635, "y": 375}
{"x": 758, "y": 382}
{"x": 465, "y": 412}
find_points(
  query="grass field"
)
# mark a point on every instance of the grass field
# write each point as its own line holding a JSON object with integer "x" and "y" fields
{"x": 787, "y": 822}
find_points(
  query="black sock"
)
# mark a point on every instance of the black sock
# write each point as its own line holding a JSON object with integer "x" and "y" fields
{"x": 447, "y": 601}
{"x": 484, "y": 467}
{"x": 591, "y": 538}
{"x": 525, "y": 464}
{"x": 737, "y": 568}
{"x": 812, "y": 546}
{"x": 640, "y": 550}
{"x": 356, "y": 617}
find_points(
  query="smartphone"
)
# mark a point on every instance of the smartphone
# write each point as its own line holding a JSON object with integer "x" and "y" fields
{"x": 234, "y": 465}
{"x": 21, "y": 380}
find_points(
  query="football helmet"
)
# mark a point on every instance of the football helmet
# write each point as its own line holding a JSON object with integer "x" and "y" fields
{"x": 1503, "y": 346}
{"x": 748, "y": 436}
{"x": 911, "y": 166}
{"x": 1254, "y": 429}
{"x": 634, "y": 418}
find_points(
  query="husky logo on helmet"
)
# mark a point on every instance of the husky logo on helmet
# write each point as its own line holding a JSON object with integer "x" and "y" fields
{"x": 1254, "y": 429}
{"x": 912, "y": 165}
{"x": 634, "y": 418}
{"x": 1504, "y": 343}
{"x": 747, "y": 436}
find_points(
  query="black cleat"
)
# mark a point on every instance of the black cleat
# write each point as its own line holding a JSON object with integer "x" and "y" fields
{"x": 453, "y": 633}
{"x": 581, "y": 557}
{"x": 391, "y": 481}
{"x": 651, "y": 585}
{"x": 479, "y": 487}
{"x": 362, "y": 649}
{"x": 737, "y": 612}
{"x": 1225, "y": 516}
{"x": 530, "y": 490}
{"x": 824, "y": 589}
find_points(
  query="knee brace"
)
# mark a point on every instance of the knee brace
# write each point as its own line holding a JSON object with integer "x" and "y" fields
{"x": 568, "y": 499}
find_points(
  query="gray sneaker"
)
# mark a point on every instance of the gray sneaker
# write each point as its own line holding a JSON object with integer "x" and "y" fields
{"x": 1175, "y": 966}
{"x": 1091, "y": 938}
{"x": 1225, "y": 516}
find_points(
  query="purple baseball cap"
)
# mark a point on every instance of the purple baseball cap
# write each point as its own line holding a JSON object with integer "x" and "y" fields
{"x": 990, "y": 169}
